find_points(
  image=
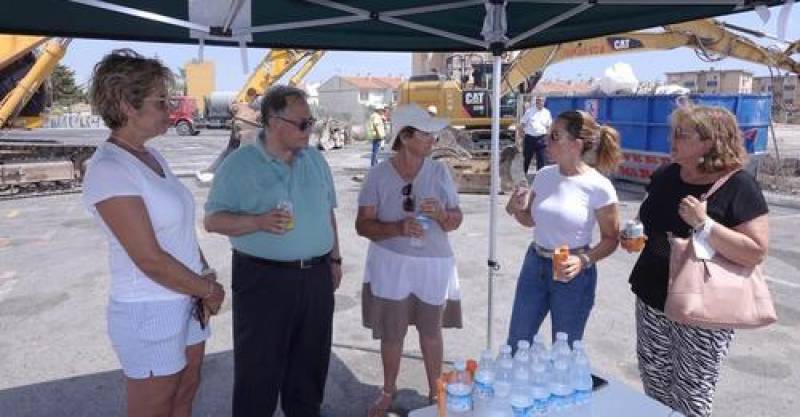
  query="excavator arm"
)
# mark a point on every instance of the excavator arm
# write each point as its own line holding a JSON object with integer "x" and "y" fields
{"x": 276, "y": 64}
{"x": 709, "y": 38}
{"x": 13, "y": 47}
{"x": 313, "y": 58}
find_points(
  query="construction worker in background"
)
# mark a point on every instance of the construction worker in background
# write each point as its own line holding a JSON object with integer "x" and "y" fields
{"x": 535, "y": 124}
{"x": 376, "y": 131}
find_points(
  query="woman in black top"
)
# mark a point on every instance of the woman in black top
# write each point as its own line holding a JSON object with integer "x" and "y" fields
{"x": 680, "y": 364}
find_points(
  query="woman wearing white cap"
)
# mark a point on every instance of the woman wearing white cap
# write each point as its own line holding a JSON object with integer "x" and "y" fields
{"x": 406, "y": 207}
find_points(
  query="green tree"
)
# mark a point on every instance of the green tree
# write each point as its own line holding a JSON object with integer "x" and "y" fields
{"x": 65, "y": 91}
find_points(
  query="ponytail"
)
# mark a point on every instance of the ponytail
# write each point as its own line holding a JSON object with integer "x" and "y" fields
{"x": 601, "y": 143}
{"x": 608, "y": 154}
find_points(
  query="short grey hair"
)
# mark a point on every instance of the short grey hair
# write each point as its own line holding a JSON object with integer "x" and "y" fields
{"x": 275, "y": 101}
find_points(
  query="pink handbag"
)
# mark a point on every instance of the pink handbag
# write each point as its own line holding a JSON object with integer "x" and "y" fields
{"x": 716, "y": 293}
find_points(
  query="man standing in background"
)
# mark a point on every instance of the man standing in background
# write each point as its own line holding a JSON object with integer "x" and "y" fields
{"x": 535, "y": 124}
{"x": 376, "y": 131}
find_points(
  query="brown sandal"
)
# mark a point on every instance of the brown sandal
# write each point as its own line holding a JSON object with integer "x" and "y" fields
{"x": 381, "y": 404}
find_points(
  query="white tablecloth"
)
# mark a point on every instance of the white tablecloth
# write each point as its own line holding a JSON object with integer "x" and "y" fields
{"x": 613, "y": 400}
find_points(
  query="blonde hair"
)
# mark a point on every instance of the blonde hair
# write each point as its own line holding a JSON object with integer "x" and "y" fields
{"x": 601, "y": 143}
{"x": 719, "y": 126}
{"x": 124, "y": 76}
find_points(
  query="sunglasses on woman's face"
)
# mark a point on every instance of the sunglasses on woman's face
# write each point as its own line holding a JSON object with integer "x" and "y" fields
{"x": 408, "y": 199}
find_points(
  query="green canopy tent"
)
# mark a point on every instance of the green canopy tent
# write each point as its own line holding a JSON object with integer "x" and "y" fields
{"x": 368, "y": 25}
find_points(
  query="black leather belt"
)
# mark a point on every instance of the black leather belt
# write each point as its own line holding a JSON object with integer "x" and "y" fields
{"x": 298, "y": 264}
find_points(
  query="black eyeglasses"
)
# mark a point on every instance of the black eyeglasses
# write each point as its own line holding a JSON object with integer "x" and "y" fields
{"x": 408, "y": 200}
{"x": 302, "y": 125}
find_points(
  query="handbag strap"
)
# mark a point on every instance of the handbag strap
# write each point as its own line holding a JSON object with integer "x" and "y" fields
{"x": 717, "y": 184}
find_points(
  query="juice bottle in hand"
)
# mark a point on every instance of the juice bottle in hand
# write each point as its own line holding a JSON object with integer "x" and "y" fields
{"x": 560, "y": 255}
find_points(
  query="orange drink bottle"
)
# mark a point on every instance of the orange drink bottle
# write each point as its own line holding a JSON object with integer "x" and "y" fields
{"x": 560, "y": 255}
{"x": 472, "y": 366}
{"x": 441, "y": 399}
{"x": 634, "y": 234}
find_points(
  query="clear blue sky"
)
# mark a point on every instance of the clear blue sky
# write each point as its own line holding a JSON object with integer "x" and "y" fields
{"x": 82, "y": 55}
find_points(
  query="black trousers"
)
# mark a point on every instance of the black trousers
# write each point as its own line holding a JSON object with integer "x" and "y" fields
{"x": 282, "y": 328}
{"x": 534, "y": 145}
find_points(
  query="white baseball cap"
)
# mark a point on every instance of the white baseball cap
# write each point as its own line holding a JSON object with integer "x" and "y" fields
{"x": 415, "y": 116}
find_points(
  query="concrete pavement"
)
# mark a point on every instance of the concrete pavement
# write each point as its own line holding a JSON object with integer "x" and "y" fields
{"x": 56, "y": 359}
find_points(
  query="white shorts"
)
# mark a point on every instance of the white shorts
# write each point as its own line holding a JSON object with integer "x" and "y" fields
{"x": 150, "y": 337}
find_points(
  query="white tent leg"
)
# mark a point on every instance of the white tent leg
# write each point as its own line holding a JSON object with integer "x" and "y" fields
{"x": 493, "y": 190}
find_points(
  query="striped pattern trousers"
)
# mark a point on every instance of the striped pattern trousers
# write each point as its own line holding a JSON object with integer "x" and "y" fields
{"x": 679, "y": 364}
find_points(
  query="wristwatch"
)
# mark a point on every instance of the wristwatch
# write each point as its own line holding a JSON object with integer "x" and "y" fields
{"x": 337, "y": 261}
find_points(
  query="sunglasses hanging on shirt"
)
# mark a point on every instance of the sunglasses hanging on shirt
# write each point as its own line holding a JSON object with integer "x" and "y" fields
{"x": 408, "y": 199}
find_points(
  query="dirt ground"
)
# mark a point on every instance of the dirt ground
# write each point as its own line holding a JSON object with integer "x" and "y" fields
{"x": 779, "y": 170}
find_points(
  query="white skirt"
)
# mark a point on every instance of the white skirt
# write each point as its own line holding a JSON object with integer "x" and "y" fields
{"x": 395, "y": 276}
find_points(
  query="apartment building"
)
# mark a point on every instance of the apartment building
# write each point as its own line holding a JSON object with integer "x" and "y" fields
{"x": 713, "y": 81}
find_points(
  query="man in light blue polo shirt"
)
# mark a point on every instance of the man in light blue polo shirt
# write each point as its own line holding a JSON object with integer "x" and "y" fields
{"x": 275, "y": 201}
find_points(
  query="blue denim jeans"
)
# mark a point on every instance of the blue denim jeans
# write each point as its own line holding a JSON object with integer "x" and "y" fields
{"x": 376, "y": 148}
{"x": 569, "y": 303}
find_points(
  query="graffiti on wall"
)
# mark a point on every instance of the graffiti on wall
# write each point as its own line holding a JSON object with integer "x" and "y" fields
{"x": 83, "y": 120}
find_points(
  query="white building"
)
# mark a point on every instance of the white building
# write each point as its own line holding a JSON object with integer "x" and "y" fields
{"x": 349, "y": 98}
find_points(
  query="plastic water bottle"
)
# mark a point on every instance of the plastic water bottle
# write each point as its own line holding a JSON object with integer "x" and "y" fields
{"x": 561, "y": 348}
{"x": 425, "y": 222}
{"x": 523, "y": 345}
{"x": 539, "y": 375}
{"x": 577, "y": 349}
{"x": 541, "y": 401}
{"x": 459, "y": 391}
{"x": 522, "y": 357}
{"x": 538, "y": 344}
{"x": 483, "y": 387}
{"x": 581, "y": 379}
{"x": 500, "y": 404}
{"x": 504, "y": 353}
{"x": 503, "y": 378}
{"x": 561, "y": 386}
{"x": 521, "y": 397}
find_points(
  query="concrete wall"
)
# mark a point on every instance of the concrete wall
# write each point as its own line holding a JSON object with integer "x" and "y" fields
{"x": 200, "y": 81}
{"x": 340, "y": 99}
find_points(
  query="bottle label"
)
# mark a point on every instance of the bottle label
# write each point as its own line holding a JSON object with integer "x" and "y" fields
{"x": 483, "y": 389}
{"x": 459, "y": 397}
{"x": 519, "y": 411}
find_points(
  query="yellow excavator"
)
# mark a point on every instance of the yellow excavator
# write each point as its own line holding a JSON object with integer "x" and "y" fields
{"x": 245, "y": 107}
{"x": 461, "y": 93}
{"x": 712, "y": 40}
{"x": 27, "y": 167}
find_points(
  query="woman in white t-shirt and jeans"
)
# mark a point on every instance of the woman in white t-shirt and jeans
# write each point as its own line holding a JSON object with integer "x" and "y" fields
{"x": 565, "y": 202}
{"x": 158, "y": 272}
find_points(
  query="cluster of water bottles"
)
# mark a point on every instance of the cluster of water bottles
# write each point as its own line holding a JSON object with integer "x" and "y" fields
{"x": 536, "y": 381}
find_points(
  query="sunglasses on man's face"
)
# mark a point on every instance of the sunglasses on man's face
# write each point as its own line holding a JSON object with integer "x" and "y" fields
{"x": 408, "y": 199}
{"x": 303, "y": 125}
